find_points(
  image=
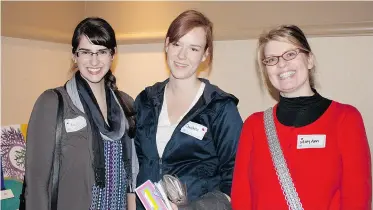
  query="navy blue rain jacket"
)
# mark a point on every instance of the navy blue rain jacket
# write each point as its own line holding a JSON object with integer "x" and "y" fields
{"x": 202, "y": 165}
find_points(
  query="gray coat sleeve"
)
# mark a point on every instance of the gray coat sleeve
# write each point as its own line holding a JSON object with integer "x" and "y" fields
{"x": 39, "y": 151}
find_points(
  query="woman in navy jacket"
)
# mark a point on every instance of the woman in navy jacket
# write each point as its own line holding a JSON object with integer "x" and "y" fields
{"x": 186, "y": 126}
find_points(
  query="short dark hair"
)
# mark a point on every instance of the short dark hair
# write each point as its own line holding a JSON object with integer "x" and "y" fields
{"x": 97, "y": 30}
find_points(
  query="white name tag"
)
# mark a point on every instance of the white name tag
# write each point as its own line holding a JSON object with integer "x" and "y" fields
{"x": 194, "y": 129}
{"x": 5, "y": 194}
{"x": 75, "y": 124}
{"x": 311, "y": 141}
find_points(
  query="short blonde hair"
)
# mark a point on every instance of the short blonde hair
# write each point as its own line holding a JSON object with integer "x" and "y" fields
{"x": 285, "y": 33}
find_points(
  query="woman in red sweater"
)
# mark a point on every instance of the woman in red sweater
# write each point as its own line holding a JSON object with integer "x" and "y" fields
{"x": 315, "y": 147}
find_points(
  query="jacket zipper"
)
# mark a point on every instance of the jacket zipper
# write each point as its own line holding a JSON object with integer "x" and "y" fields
{"x": 160, "y": 167}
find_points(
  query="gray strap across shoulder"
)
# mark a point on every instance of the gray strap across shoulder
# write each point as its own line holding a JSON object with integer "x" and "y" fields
{"x": 279, "y": 163}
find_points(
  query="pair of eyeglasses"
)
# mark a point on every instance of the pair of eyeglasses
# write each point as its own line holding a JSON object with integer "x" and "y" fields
{"x": 101, "y": 54}
{"x": 287, "y": 56}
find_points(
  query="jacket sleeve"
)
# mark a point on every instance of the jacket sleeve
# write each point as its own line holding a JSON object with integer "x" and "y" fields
{"x": 356, "y": 189}
{"x": 41, "y": 134}
{"x": 138, "y": 125}
{"x": 226, "y": 130}
{"x": 212, "y": 200}
{"x": 241, "y": 195}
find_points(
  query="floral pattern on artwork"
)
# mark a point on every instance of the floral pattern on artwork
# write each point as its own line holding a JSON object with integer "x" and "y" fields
{"x": 13, "y": 151}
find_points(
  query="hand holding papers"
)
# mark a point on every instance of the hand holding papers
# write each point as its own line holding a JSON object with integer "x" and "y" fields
{"x": 157, "y": 196}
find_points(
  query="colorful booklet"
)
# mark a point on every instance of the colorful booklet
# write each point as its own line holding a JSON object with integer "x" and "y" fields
{"x": 153, "y": 196}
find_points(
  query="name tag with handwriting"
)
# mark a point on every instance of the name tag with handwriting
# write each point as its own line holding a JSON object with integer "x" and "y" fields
{"x": 311, "y": 141}
{"x": 75, "y": 124}
{"x": 194, "y": 129}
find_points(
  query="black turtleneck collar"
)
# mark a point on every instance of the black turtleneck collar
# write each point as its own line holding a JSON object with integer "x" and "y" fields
{"x": 301, "y": 111}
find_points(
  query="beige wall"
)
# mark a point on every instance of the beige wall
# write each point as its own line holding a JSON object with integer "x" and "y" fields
{"x": 27, "y": 69}
{"x": 344, "y": 72}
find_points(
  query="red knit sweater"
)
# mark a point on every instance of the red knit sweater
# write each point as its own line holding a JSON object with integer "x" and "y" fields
{"x": 337, "y": 176}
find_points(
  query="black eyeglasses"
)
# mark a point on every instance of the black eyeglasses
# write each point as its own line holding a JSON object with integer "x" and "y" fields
{"x": 101, "y": 54}
{"x": 288, "y": 55}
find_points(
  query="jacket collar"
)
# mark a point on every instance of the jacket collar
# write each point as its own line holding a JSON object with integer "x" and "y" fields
{"x": 211, "y": 93}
